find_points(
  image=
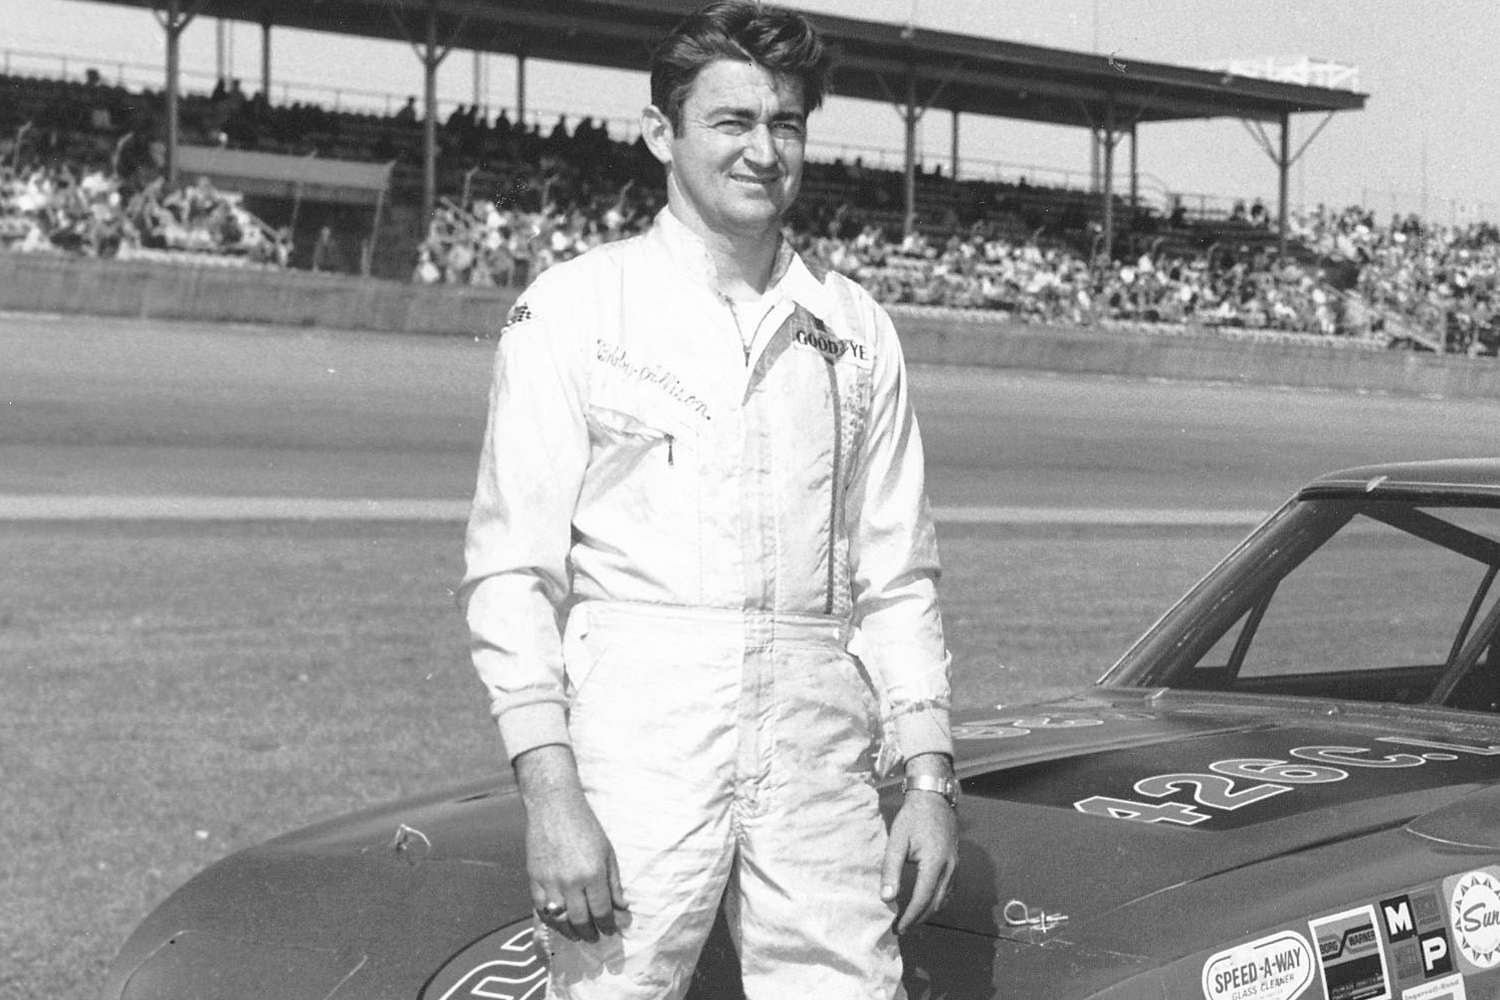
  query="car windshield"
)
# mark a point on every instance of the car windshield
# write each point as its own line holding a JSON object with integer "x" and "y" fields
{"x": 1349, "y": 598}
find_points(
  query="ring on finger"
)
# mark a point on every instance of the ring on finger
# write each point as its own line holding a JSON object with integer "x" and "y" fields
{"x": 552, "y": 911}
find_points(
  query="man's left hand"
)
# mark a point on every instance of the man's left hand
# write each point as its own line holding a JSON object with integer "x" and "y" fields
{"x": 924, "y": 833}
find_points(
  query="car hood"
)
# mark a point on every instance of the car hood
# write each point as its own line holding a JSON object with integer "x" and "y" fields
{"x": 1075, "y": 810}
{"x": 1235, "y": 785}
{"x": 368, "y": 904}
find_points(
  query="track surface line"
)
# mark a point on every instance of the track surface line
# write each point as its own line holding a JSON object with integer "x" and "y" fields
{"x": 58, "y": 507}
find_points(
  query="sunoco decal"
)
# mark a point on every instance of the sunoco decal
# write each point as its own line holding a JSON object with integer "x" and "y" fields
{"x": 1349, "y": 956}
{"x": 1474, "y": 910}
{"x": 1276, "y": 967}
{"x": 1449, "y": 988}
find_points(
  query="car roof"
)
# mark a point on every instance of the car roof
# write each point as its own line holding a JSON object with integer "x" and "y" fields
{"x": 1446, "y": 478}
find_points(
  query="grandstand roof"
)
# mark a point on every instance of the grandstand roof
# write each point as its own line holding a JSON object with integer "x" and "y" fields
{"x": 966, "y": 73}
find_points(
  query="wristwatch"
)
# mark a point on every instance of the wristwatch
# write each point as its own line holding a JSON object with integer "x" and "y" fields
{"x": 947, "y": 786}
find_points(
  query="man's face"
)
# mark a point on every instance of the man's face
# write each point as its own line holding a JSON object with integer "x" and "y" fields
{"x": 735, "y": 163}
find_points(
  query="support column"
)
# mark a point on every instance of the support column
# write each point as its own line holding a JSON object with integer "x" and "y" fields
{"x": 1135, "y": 179}
{"x": 1109, "y": 178}
{"x": 1284, "y": 158}
{"x": 430, "y": 62}
{"x": 953, "y": 160}
{"x": 911, "y": 116}
{"x": 265, "y": 55}
{"x": 432, "y": 57}
{"x": 174, "y": 22}
{"x": 521, "y": 86}
{"x": 1094, "y": 159}
{"x": 1283, "y": 165}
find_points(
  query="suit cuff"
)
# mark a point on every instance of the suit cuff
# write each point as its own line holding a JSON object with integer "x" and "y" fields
{"x": 526, "y": 727}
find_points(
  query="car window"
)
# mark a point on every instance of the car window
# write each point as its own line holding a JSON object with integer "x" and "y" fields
{"x": 1377, "y": 611}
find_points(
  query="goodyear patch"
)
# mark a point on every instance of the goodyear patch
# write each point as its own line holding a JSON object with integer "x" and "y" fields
{"x": 1350, "y": 959}
{"x": 832, "y": 347}
{"x": 1276, "y": 967}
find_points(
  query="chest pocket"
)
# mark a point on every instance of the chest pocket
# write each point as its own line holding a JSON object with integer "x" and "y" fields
{"x": 643, "y": 449}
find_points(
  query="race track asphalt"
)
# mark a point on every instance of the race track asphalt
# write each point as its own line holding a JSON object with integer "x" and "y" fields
{"x": 163, "y": 413}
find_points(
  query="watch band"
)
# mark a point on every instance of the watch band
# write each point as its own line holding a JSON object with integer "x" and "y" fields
{"x": 947, "y": 787}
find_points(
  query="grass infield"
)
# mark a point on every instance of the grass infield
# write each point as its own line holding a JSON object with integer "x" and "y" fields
{"x": 177, "y": 691}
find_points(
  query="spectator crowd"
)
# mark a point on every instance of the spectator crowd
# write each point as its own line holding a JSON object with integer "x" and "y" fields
{"x": 92, "y": 212}
{"x": 520, "y": 200}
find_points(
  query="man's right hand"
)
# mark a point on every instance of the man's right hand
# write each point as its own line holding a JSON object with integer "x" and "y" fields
{"x": 568, "y": 857}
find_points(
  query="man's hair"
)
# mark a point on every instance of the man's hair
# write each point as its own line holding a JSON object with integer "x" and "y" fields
{"x": 780, "y": 40}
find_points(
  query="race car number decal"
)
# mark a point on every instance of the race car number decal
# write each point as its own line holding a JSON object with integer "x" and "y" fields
{"x": 1010, "y": 728}
{"x": 1236, "y": 783}
{"x": 505, "y": 965}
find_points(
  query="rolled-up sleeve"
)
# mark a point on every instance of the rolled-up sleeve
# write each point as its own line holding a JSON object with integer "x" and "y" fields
{"x": 894, "y": 565}
{"x": 516, "y": 574}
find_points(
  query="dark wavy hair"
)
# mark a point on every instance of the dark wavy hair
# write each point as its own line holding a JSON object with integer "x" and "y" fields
{"x": 781, "y": 40}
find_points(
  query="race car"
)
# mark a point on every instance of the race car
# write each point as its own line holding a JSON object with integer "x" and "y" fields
{"x": 1289, "y": 787}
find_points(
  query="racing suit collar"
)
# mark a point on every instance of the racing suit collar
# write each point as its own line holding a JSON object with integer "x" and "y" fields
{"x": 791, "y": 278}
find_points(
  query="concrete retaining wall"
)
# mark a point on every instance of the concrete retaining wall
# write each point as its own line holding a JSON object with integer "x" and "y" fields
{"x": 219, "y": 294}
{"x": 950, "y": 337}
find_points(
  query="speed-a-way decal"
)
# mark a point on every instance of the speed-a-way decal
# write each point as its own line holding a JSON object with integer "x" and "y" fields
{"x": 1276, "y": 967}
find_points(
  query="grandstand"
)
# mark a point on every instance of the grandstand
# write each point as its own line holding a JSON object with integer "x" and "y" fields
{"x": 87, "y": 171}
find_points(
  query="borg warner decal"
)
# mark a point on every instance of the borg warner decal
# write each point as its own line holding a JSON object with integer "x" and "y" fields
{"x": 1350, "y": 960}
{"x": 1235, "y": 791}
{"x": 1474, "y": 913}
{"x": 1276, "y": 967}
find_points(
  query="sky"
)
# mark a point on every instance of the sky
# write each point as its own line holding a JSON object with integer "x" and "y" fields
{"x": 1424, "y": 142}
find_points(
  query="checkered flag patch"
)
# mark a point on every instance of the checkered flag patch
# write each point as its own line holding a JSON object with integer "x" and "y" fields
{"x": 519, "y": 313}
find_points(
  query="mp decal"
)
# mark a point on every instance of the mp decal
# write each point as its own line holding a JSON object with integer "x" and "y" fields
{"x": 1418, "y": 935}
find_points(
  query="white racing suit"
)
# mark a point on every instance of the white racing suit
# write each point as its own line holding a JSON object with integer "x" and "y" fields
{"x": 726, "y": 516}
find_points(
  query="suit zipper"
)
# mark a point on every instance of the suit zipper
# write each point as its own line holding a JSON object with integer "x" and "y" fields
{"x": 739, "y": 330}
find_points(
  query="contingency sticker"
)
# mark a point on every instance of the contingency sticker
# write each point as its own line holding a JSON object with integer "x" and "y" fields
{"x": 1276, "y": 967}
{"x": 1349, "y": 956}
{"x": 1474, "y": 910}
{"x": 1418, "y": 938}
{"x": 1449, "y": 988}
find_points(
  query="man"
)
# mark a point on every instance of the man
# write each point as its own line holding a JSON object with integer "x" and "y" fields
{"x": 701, "y": 460}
